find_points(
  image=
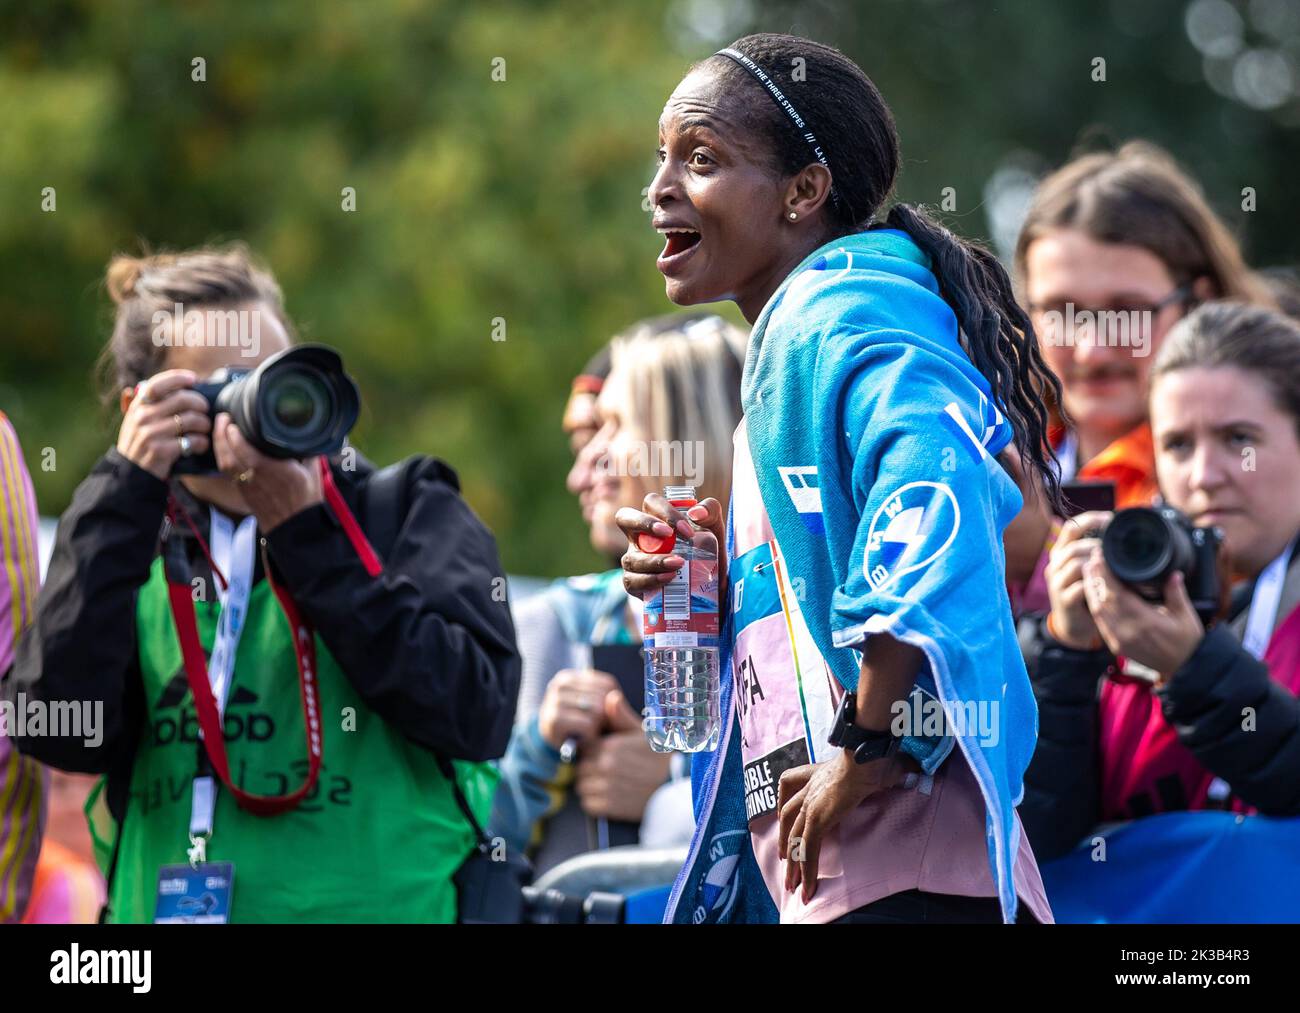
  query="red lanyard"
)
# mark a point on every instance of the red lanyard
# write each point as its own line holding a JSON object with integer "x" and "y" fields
{"x": 304, "y": 645}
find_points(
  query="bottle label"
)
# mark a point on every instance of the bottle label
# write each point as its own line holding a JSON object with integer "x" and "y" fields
{"x": 685, "y": 612}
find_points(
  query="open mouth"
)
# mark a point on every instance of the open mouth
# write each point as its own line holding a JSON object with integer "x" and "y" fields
{"x": 679, "y": 244}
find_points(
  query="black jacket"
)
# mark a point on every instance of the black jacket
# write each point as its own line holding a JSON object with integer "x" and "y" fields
{"x": 1203, "y": 701}
{"x": 429, "y": 644}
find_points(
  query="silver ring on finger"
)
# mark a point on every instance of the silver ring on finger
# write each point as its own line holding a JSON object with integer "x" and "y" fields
{"x": 584, "y": 704}
{"x": 187, "y": 445}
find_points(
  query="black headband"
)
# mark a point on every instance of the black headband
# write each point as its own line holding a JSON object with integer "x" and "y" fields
{"x": 785, "y": 104}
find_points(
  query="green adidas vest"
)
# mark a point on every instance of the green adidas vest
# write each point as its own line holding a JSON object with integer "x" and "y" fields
{"x": 378, "y": 839}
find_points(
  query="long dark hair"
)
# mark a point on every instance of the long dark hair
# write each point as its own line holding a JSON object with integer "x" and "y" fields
{"x": 856, "y": 131}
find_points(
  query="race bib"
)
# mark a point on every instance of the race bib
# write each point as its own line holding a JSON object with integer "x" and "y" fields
{"x": 785, "y": 695}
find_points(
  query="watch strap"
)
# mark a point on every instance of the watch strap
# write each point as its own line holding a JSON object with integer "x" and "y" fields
{"x": 866, "y": 745}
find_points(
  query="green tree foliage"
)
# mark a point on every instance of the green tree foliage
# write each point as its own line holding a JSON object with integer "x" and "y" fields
{"x": 978, "y": 87}
{"x": 480, "y": 199}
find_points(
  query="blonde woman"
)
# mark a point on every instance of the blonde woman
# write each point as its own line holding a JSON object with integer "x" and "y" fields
{"x": 579, "y": 773}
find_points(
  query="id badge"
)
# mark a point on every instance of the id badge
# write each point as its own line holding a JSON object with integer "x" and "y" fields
{"x": 190, "y": 896}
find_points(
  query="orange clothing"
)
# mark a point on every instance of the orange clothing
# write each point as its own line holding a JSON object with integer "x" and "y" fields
{"x": 1129, "y": 462}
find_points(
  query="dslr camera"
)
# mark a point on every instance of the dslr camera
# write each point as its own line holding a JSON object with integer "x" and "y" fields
{"x": 1144, "y": 546}
{"x": 298, "y": 403}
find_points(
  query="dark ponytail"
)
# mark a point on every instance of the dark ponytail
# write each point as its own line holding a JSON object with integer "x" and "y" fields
{"x": 997, "y": 335}
{"x": 855, "y": 128}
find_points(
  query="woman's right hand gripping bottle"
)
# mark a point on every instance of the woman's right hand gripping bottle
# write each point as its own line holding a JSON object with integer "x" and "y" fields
{"x": 681, "y": 645}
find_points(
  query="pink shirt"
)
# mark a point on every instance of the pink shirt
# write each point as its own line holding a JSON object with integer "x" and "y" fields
{"x": 1145, "y": 769}
{"x": 926, "y": 834}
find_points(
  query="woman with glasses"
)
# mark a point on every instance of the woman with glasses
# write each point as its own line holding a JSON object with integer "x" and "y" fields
{"x": 1116, "y": 248}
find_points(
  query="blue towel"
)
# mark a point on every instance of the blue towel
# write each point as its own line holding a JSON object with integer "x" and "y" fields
{"x": 720, "y": 882}
{"x": 873, "y": 438}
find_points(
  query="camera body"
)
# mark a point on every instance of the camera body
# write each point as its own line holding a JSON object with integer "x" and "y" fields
{"x": 1144, "y": 546}
{"x": 298, "y": 403}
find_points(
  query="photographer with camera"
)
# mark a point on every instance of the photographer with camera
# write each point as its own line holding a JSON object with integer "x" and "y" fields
{"x": 301, "y": 663}
{"x": 1201, "y": 655}
{"x": 1116, "y": 247}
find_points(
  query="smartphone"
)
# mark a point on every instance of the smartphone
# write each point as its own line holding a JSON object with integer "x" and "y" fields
{"x": 1080, "y": 497}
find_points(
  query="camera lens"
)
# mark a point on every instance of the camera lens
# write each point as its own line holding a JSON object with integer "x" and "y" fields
{"x": 1143, "y": 547}
{"x": 297, "y": 403}
{"x": 301, "y": 406}
{"x": 1142, "y": 543}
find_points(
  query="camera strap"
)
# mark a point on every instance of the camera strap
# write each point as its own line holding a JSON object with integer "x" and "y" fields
{"x": 205, "y": 703}
{"x": 364, "y": 550}
{"x": 1264, "y": 603}
{"x": 231, "y": 553}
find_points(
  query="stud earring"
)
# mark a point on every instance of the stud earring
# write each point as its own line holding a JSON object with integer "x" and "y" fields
{"x": 793, "y": 216}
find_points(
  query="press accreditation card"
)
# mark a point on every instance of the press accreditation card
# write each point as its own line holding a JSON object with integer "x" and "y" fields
{"x": 194, "y": 896}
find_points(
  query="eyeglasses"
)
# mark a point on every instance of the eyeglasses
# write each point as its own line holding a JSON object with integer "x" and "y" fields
{"x": 1181, "y": 294}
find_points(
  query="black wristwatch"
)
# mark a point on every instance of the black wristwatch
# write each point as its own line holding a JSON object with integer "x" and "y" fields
{"x": 866, "y": 746}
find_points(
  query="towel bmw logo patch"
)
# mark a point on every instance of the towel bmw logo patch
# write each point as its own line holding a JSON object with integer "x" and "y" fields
{"x": 717, "y": 891}
{"x": 912, "y": 528}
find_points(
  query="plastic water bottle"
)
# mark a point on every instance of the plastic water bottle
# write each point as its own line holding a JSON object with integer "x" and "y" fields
{"x": 680, "y": 638}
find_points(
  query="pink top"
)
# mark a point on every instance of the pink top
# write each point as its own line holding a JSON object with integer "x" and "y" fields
{"x": 926, "y": 834}
{"x": 1144, "y": 768}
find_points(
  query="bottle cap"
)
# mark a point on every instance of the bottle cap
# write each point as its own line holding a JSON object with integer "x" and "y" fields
{"x": 654, "y": 544}
{"x": 683, "y": 498}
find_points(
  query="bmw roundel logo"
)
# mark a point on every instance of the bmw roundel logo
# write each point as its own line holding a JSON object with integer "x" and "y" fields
{"x": 912, "y": 528}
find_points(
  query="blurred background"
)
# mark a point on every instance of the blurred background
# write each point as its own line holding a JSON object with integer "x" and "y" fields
{"x": 481, "y": 200}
